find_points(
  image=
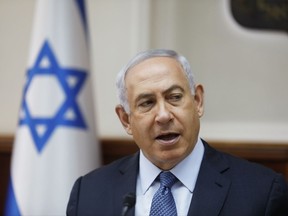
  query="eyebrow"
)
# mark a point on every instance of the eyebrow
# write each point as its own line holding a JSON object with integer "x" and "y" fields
{"x": 142, "y": 96}
{"x": 149, "y": 95}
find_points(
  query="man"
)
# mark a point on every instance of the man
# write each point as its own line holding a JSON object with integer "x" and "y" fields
{"x": 160, "y": 108}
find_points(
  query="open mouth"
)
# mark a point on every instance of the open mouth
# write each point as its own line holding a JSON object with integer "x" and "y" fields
{"x": 169, "y": 138}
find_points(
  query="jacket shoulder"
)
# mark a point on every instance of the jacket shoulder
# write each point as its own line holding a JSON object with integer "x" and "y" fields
{"x": 236, "y": 165}
{"x": 102, "y": 189}
{"x": 118, "y": 166}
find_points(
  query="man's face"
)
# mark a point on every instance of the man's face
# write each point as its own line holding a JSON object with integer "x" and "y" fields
{"x": 164, "y": 115}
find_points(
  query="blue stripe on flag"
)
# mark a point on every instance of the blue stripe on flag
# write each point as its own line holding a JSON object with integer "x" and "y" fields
{"x": 11, "y": 208}
{"x": 81, "y": 6}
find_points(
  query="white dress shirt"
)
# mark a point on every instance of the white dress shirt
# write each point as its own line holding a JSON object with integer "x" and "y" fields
{"x": 186, "y": 171}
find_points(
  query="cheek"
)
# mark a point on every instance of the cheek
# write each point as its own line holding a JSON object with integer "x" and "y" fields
{"x": 186, "y": 114}
{"x": 189, "y": 120}
{"x": 141, "y": 126}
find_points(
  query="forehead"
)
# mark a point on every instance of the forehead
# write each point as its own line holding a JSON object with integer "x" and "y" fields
{"x": 156, "y": 73}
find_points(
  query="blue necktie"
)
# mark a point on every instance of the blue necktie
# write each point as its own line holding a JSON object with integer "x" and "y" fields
{"x": 163, "y": 203}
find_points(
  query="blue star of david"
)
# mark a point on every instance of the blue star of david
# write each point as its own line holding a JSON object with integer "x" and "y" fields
{"x": 70, "y": 103}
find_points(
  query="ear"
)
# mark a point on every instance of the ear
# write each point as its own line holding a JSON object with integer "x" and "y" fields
{"x": 124, "y": 118}
{"x": 199, "y": 99}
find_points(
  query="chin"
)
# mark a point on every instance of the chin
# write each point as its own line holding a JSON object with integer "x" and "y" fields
{"x": 172, "y": 157}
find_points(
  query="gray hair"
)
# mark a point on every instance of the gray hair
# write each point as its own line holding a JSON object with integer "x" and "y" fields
{"x": 142, "y": 56}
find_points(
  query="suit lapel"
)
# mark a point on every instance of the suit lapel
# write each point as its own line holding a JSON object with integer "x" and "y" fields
{"x": 126, "y": 183}
{"x": 211, "y": 187}
{"x": 210, "y": 191}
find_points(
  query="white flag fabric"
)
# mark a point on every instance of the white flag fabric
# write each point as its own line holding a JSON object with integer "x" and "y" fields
{"x": 55, "y": 141}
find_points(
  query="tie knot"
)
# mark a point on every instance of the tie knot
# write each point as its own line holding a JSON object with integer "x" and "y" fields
{"x": 167, "y": 179}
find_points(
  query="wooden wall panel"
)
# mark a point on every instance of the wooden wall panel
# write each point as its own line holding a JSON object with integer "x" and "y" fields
{"x": 271, "y": 155}
{"x": 5, "y": 155}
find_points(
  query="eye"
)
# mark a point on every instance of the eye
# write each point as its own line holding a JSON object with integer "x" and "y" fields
{"x": 145, "y": 105}
{"x": 175, "y": 97}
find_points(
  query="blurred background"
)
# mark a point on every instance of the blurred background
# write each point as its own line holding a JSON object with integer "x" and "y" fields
{"x": 243, "y": 70}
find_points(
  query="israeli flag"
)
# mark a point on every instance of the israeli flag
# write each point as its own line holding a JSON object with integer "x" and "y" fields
{"x": 56, "y": 138}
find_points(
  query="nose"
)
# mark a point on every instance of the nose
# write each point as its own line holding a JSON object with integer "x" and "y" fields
{"x": 163, "y": 115}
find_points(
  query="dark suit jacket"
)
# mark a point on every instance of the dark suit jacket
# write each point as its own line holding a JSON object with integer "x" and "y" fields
{"x": 226, "y": 185}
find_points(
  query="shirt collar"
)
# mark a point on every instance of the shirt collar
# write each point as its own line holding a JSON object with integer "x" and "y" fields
{"x": 186, "y": 171}
{"x": 148, "y": 172}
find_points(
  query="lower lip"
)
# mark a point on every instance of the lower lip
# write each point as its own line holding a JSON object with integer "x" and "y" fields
{"x": 168, "y": 142}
